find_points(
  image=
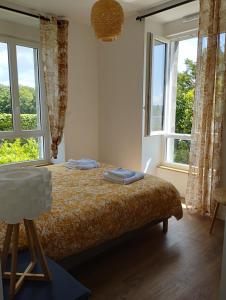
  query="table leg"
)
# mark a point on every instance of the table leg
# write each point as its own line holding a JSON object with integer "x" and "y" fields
{"x": 6, "y": 245}
{"x": 12, "y": 286}
{"x": 214, "y": 216}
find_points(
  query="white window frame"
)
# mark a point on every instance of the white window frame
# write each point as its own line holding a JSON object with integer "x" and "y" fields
{"x": 17, "y": 132}
{"x": 169, "y": 124}
{"x": 168, "y": 130}
{"x": 149, "y": 98}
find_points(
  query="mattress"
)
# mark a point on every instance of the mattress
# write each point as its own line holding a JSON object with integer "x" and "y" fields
{"x": 87, "y": 211}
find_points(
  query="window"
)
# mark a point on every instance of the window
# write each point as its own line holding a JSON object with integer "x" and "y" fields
{"x": 170, "y": 95}
{"x": 156, "y": 89}
{"x": 181, "y": 97}
{"x": 23, "y": 122}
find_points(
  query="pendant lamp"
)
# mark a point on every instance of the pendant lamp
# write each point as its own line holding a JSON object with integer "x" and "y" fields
{"x": 107, "y": 17}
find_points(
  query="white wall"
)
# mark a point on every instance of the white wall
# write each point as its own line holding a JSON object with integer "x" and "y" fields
{"x": 177, "y": 178}
{"x": 120, "y": 106}
{"x": 81, "y": 129}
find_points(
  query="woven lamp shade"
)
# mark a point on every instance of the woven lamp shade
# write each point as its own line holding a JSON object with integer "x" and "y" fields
{"x": 107, "y": 18}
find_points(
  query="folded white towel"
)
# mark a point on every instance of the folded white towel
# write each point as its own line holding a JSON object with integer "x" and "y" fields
{"x": 121, "y": 173}
{"x": 82, "y": 164}
{"x": 81, "y": 167}
{"x": 115, "y": 179}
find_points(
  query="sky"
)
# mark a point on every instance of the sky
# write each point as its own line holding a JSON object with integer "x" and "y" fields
{"x": 25, "y": 65}
{"x": 25, "y": 58}
{"x": 187, "y": 49}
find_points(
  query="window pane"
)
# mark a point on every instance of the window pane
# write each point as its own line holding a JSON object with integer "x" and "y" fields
{"x": 27, "y": 64}
{"x": 158, "y": 85}
{"x": 186, "y": 71}
{"x": 20, "y": 150}
{"x": 178, "y": 151}
{"x": 6, "y": 119}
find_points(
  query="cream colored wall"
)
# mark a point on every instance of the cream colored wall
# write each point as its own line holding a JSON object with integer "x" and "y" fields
{"x": 177, "y": 178}
{"x": 120, "y": 106}
{"x": 81, "y": 129}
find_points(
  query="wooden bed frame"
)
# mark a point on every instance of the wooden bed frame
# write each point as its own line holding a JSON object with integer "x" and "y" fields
{"x": 77, "y": 259}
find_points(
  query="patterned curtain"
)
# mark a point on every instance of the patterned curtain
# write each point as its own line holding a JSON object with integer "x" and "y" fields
{"x": 210, "y": 96}
{"x": 54, "y": 48}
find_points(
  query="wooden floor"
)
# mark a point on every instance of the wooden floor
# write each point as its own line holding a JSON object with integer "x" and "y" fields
{"x": 184, "y": 264}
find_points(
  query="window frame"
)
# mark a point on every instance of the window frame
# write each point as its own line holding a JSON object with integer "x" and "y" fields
{"x": 17, "y": 132}
{"x": 168, "y": 124}
{"x": 167, "y": 131}
{"x": 149, "y": 76}
{"x": 175, "y": 136}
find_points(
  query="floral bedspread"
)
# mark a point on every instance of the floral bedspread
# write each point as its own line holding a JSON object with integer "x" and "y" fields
{"x": 87, "y": 210}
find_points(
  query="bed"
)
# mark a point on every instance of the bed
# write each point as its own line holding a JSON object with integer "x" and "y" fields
{"x": 88, "y": 211}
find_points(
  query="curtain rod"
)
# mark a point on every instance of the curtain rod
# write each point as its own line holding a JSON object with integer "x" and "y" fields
{"x": 140, "y": 18}
{"x": 24, "y": 13}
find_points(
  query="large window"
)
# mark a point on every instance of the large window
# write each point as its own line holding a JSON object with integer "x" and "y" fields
{"x": 23, "y": 122}
{"x": 171, "y": 89}
{"x": 181, "y": 98}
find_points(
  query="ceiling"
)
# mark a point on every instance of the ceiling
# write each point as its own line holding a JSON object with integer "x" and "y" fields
{"x": 177, "y": 13}
{"x": 80, "y": 9}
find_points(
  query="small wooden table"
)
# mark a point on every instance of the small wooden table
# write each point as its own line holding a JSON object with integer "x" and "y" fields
{"x": 62, "y": 286}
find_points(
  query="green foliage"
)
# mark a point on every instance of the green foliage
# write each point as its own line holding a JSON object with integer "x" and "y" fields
{"x": 184, "y": 104}
{"x": 182, "y": 151}
{"x": 26, "y": 96}
{"x": 185, "y": 98}
{"x": 18, "y": 150}
{"x": 5, "y": 99}
{"x": 27, "y": 100}
{"x": 6, "y": 122}
{"x": 28, "y": 122}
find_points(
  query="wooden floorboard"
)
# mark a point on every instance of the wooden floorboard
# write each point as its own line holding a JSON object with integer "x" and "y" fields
{"x": 182, "y": 265}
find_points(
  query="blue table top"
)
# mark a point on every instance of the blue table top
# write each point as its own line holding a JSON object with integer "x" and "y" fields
{"x": 62, "y": 287}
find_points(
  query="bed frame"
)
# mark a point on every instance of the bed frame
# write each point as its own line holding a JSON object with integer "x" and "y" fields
{"x": 77, "y": 259}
